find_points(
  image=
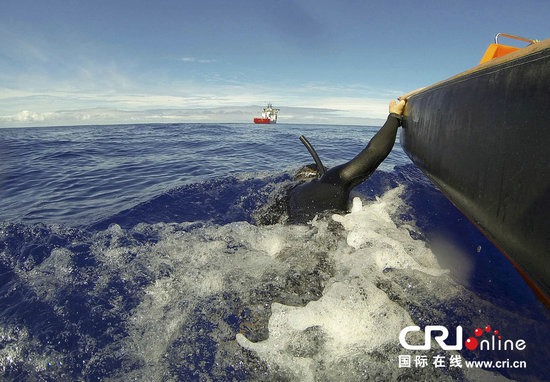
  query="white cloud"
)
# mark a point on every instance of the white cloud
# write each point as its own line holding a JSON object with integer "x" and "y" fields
{"x": 198, "y": 60}
{"x": 354, "y": 106}
{"x": 28, "y": 116}
{"x": 242, "y": 114}
{"x": 189, "y": 102}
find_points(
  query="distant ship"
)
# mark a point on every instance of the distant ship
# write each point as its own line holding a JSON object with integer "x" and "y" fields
{"x": 269, "y": 115}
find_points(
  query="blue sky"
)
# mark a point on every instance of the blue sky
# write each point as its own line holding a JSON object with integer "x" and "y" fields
{"x": 122, "y": 61}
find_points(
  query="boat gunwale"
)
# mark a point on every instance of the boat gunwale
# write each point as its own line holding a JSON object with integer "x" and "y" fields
{"x": 483, "y": 69}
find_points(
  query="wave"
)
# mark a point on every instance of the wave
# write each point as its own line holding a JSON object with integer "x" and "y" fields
{"x": 186, "y": 287}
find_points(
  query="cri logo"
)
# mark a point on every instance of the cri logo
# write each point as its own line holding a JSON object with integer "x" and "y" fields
{"x": 471, "y": 343}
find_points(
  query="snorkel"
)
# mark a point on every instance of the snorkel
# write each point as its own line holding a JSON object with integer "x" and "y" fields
{"x": 316, "y": 171}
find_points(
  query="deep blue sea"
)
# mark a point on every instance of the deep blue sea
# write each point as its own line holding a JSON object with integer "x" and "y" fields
{"x": 134, "y": 252}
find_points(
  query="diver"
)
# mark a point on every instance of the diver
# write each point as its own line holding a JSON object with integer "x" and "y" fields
{"x": 331, "y": 190}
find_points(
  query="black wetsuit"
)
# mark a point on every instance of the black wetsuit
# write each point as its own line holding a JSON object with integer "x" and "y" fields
{"x": 331, "y": 191}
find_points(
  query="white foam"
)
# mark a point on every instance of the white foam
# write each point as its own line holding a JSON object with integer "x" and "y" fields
{"x": 353, "y": 316}
{"x": 53, "y": 273}
{"x": 204, "y": 262}
{"x": 189, "y": 272}
{"x": 371, "y": 229}
{"x": 18, "y": 347}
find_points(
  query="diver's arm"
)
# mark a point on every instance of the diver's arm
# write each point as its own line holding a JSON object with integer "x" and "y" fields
{"x": 363, "y": 165}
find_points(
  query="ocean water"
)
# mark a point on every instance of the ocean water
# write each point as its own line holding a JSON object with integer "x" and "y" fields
{"x": 133, "y": 252}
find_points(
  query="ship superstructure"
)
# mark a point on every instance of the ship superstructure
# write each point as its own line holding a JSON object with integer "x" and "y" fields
{"x": 269, "y": 115}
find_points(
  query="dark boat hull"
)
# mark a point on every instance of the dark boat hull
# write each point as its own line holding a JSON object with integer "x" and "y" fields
{"x": 483, "y": 138}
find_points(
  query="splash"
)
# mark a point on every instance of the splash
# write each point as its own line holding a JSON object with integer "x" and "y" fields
{"x": 235, "y": 301}
{"x": 353, "y": 319}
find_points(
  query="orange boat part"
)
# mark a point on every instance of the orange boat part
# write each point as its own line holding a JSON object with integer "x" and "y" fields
{"x": 497, "y": 50}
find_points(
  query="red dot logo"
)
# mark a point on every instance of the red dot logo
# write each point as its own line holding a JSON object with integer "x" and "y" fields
{"x": 487, "y": 328}
{"x": 471, "y": 343}
{"x": 478, "y": 332}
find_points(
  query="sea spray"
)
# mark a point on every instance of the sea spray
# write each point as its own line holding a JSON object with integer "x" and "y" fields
{"x": 354, "y": 323}
{"x": 325, "y": 300}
